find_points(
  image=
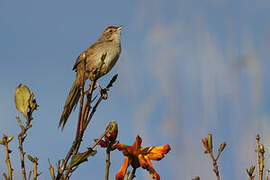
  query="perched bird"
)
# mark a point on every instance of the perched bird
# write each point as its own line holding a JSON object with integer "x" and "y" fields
{"x": 100, "y": 56}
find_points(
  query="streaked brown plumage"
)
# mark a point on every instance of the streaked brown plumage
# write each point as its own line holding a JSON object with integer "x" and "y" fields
{"x": 108, "y": 48}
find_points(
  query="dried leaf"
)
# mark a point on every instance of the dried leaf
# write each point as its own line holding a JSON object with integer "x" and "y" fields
{"x": 22, "y": 99}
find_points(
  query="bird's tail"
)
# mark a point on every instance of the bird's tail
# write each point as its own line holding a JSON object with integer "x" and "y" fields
{"x": 71, "y": 101}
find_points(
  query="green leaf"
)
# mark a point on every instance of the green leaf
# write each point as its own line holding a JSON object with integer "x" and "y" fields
{"x": 81, "y": 157}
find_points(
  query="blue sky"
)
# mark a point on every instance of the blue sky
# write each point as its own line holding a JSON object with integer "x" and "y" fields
{"x": 187, "y": 68}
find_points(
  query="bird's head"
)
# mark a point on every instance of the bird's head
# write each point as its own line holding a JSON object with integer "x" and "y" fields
{"x": 111, "y": 33}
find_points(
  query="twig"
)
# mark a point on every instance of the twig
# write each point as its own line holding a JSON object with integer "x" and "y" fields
{"x": 30, "y": 174}
{"x": 257, "y": 153}
{"x": 34, "y": 160}
{"x": 250, "y": 172}
{"x": 267, "y": 175}
{"x": 64, "y": 163}
{"x": 67, "y": 176}
{"x": 21, "y": 138}
{"x": 127, "y": 175}
{"x": 208, "y": 145}
{"x": 99, "y": 139}
{"x": 51, "y": 170}
{"x": 76, "y": 143}
{"x": 99, "y": 100}
{"x": 215, "y": 165}
{"x": 80, "y": 114}
{"x": 108, "y": 163}
{"x": 261, "y": 161}
{"x": 83, "y": 115}
{"x": 83, "y": 125}
{"x": 132, "y": 175}
{"x": 35, "y": 174}
{"x": 7, "y": 151}
{"x": 92, "y": 112}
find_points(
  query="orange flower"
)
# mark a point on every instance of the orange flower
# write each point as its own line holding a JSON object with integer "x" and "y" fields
{"x": 137, "y": 156}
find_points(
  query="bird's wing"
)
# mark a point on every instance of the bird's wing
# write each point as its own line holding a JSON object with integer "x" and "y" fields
{"x": 80, "y": 59}
{"x": 90, "y": 52}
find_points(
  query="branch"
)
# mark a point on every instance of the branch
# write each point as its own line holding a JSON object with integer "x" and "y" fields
{"x": 83, "y": 121}
{"x": 21, "y": 138}
{"x": 99, "y": 100}
{"x": 208, "y": 145}
{"x": 82, "y": 157}
{"x": 5, "y": 141}
{"x": 34, "y": 160}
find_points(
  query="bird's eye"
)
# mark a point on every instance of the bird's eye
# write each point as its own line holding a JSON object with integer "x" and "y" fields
{"x": 110, "y": 30}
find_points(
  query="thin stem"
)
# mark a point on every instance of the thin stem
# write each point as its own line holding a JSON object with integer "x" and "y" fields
{"x": 76, "y": 143}
{"x": 88, "y": 102}
{"x": 80, "y": 115}
{"x": 66, "y": 176}
{"x": 215, "y": 165}
{"x": 267, "y": 175}
{"x": 7, "y": 157}
{"x": 257, "y": 153}
{"x": 132, "y": 176}
{"x": 92, "y": 112}
{"x": 22, "y": 156}
{"x": 35, "y": 174}
{"x": 108, "y": 163}
{"x": 219, "y": 153}
{"x": 70, "y": 152}
{"x": 84, "y": 114}
{"x": 29, "y": 175}
{"x": 21, "y": 138}
{"x": 261, "y": 161}
{"x": 51, "y": 170}
{"x": 99, "y": 100}
{"x": 127, "y": 175}
{"x": 99, "y": 139}
{"x": 84, "y": 122}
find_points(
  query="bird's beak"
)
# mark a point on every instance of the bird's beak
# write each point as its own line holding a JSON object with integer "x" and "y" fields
{"x": 120, "y": 28}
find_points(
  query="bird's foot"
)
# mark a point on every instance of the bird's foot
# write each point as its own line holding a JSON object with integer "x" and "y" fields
{"x": 103, "y": 92}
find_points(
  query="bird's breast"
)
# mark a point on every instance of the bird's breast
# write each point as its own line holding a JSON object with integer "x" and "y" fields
{"x": 112, "y": 55}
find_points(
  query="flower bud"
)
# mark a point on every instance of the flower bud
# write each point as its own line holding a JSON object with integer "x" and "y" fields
{"x": 9, "y": 139}
{"x": 262, "y": 148}
{"x": 209, "y": 141}
{"x": 112, "y": 131}
{"x": 222, "y": 146}
{"x": 251, "y": 170}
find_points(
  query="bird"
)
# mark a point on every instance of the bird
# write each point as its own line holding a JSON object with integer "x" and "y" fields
{"x": 100, "y": 57}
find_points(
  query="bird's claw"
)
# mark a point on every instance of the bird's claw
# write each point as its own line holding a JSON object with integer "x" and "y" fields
{"x": 104, "y": 93}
